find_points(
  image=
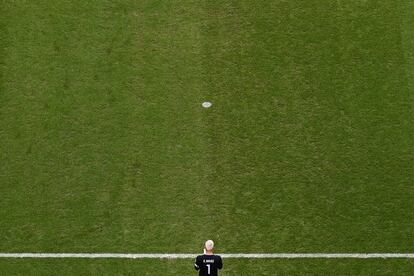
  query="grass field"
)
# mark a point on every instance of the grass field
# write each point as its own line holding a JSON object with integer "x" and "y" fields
{"x": 308, "y": 147}
{"x": 184, "y": 267}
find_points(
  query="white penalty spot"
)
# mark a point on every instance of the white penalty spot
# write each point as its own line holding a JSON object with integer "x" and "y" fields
{"x": 206, "y": 104}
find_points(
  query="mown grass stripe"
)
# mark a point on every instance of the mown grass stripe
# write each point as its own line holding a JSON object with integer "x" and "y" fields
{"x": 228, "y": 255}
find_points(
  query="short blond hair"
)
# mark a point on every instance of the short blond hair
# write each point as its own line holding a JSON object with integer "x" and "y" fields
{"x": 209, "y": 245}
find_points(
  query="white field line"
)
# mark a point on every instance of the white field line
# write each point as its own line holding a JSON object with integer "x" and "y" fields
{"x": 191, "y": 256}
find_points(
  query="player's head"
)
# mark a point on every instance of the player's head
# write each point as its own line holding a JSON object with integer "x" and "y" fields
{"x": 209, "y": 245}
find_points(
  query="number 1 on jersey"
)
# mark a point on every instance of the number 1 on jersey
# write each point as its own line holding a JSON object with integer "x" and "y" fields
{"x": 208, "y": 269}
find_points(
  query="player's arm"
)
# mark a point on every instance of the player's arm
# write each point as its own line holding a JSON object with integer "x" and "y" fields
{"x": 220, "y": 263}
{"x": 197, "y": 263}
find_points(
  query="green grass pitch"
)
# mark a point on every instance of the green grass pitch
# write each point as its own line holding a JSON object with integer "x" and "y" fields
{"x": 308, "y": 147}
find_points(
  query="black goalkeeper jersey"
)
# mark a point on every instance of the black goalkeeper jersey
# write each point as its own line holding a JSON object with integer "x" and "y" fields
{"x": 208, "y": 265}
